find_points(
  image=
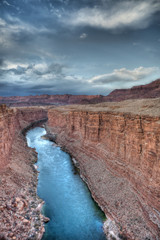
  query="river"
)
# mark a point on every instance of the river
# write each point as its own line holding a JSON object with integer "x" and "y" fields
{"x": 68, "y": 203}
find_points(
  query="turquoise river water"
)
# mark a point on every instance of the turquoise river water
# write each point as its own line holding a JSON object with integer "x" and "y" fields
{"x": 68, "y": 203}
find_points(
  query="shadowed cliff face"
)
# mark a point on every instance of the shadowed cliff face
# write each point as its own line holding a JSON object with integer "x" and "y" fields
{"x": 8, "y": 126}
{"x": 119, "y": 154}
{"x": 11, "y": 122}
{"x": 151, "y": 90}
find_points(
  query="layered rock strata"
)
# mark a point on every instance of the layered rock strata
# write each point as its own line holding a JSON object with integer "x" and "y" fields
{"x": 20, "y": 216}
{"x": 8, "y": 127}
{"x": 117, "y": 147}
{"x": 12, "y": 121}
{"x": 41, "y": 100}
{"x": 151, "y": 90}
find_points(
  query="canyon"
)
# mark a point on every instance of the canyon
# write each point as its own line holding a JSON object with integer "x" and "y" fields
{"x": 151, "y": 90}
{"x": 116, "y": 146}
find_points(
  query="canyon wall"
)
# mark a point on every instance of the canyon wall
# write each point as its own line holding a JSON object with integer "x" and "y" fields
{"x": 13, "y": 120}
{"x": 20, "y": 216}
{"x": 116, "y": 146}
{"x": 7, "y": 131}
{"x": 119, "y": 156}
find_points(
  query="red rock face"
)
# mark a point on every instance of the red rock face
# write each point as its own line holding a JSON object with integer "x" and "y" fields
{"x": 12, "y": 121}
{"x": 7, "y": 131}
{"x": 119, "y": 155}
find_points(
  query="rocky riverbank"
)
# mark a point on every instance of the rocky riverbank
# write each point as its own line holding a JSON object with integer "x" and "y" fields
{"x": 19, "y": 212}
{"x": 20, "y": 216}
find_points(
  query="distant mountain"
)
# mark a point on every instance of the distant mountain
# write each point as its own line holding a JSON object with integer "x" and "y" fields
{"x": 41, "y": 100}
{"x": 151, "y": 90}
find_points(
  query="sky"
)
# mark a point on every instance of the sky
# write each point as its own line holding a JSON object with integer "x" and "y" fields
{"x": 77, "y": 46}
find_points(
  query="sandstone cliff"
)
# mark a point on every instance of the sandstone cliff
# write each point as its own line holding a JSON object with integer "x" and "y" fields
{"x": 12, "y": 121}
{"x": 7, "y": 132}
{"x": 117, "y": 146}
{"x": 19, "y": 214}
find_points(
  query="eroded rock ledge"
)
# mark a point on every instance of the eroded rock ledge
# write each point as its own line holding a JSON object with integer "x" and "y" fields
{"x": 117, "y": 147}
{"x": 20, "y": 216}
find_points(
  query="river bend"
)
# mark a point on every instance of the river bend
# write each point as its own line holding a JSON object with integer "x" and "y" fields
{"x": 68, "y": 203}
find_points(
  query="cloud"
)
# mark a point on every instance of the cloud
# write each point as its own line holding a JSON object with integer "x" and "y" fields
{"x": 83, "y": 36}
{"x": 37, "y": 78}
{"x": 1, "y": 62}
{"x": 124, "y": 77}
{"x": 40, "y": 78}
{"x": 44, "y": 69}
{"x": 13, "y": 30}
{"x": 32, "y": 70}
{"x": 130, "y": 14}
{"x": 2, "y": 22}
{"x": 42, "y": 52}
{"x": 8, "y": 4}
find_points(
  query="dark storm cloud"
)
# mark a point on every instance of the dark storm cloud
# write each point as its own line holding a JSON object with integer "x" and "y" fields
{"x": 16, "y": 71}
{"x": 70, "y": 46}
{"x": 4, "y": 85}
{"x": 58, "y": 86}
{"x": 54, "y": 68}
{"x": 22, "y": 37}
{"x": 1, "y": 62}
{"x": 31, "y": 79}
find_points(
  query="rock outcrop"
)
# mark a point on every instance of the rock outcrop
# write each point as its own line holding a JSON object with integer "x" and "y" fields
{"x": 117, "y": 147}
